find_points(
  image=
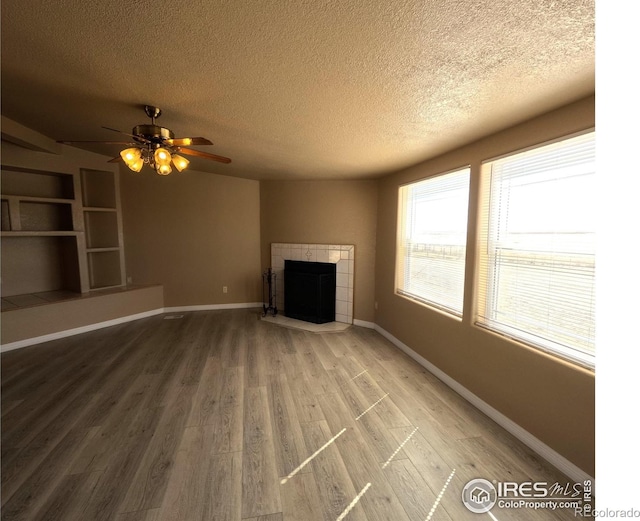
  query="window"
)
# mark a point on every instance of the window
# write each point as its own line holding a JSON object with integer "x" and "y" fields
{"x": 537, "y": 247}
{"x": 432, "y": 240}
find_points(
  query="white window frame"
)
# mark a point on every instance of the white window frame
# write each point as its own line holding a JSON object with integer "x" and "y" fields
{"x": 406, "y": 209}
{"x": 485, "y": 287}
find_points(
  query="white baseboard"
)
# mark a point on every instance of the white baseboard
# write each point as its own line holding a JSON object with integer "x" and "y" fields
{"x": 120, "y": 320}
{"x": 364, "y": 323}
{"x": 557, "y": 460}
{"x": 212, "y": 307}
{"x": 77, "y": 330}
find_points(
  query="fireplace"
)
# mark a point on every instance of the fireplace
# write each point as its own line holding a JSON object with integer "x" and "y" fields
{"x": 310, "y": 291}
{"x": 342, "y": 255}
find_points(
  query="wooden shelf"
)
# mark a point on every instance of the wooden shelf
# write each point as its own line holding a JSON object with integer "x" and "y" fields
{"x": 99, "y": 209}
{"x": 34, "y": 199}
{"x": 99, "y": 250}
{"x": 46, "y": 233}
{"x": 104, "y": 288}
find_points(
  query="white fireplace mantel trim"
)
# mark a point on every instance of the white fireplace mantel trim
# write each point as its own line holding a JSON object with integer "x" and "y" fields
{"x": 340, "y": 254}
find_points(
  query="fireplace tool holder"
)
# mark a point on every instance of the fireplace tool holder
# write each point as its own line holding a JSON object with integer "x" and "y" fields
{"x": 269, "y": 293}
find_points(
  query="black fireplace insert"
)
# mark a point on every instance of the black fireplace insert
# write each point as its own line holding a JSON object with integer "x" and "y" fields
{"x": 310, "y": 291}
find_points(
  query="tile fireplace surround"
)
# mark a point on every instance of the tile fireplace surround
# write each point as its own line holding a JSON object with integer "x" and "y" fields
{"x": 340, "y": 254}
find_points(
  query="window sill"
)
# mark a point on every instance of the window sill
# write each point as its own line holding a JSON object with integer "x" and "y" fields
{"x": 430, "y": 306}
{"x": 541, "y": 350}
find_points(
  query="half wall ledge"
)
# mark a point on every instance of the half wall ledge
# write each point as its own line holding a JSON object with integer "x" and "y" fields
{"x": 41, "y": 323}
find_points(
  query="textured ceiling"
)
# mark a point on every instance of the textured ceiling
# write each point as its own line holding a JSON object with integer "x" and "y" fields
{"x": 295, "y": 89}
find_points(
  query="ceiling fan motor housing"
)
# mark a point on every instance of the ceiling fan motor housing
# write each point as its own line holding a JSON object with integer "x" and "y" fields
{"x": 153, "y": 133}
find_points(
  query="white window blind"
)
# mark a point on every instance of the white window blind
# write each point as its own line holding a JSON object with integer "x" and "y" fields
{"x": 537, "y": 247}
{"x": 432, "y": 240}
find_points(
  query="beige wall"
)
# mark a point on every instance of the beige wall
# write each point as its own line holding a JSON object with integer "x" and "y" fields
{"x": 325, "y": 212}
{"x": 193, "y": 232}
{"x": 553, "y": 400}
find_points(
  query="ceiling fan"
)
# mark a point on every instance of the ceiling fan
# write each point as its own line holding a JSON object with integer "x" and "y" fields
{"x": 156, "y": 146}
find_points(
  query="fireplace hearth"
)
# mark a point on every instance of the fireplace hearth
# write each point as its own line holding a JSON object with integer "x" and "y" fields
{"x": 310, "y": 291}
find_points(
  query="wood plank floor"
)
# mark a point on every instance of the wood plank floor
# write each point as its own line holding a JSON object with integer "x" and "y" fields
{"x": 220, "y": 416}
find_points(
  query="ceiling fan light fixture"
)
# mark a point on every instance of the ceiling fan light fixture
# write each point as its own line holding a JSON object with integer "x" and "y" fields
{"x": 164, "y": 169}
{"x": 162, "y": 157}
{"x": 131, "y": 155}
{"x": 179, "y": 162}
{"x": 137, "y": 165}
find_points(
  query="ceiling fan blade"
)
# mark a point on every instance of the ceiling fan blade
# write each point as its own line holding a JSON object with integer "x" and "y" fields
{"x": 139, "y": 139}
{"x": 115, "y": 160}
{"x": 101, "y": 142}
{"x": 188, "y": 141}
{"x": 206, "y": 155}
{"x": 116, "y": 130}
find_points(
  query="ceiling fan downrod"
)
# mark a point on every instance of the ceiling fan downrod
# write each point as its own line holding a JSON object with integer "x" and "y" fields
{"x": 152, "y": 112}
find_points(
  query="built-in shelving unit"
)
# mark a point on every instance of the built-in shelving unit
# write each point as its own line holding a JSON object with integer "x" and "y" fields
{"x": 101, "y": 210}
{"x": 42, "y": 232}
{"x": 61, "y": 232}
